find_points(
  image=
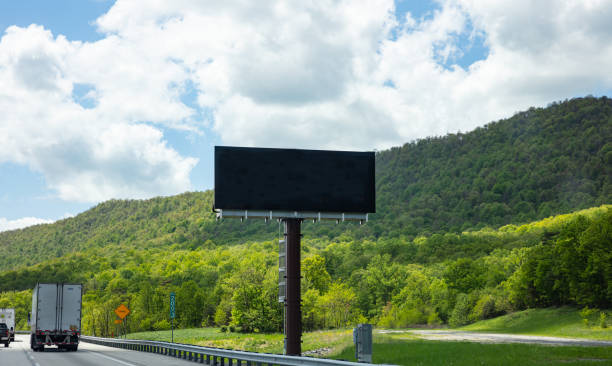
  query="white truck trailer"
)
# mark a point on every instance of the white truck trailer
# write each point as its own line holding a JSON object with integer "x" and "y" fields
{"x": 7, "y": 316}
{"x": 56, "y": 316}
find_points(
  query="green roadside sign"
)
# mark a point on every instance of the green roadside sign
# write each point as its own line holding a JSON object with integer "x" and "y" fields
{"x": 172, "y": 305}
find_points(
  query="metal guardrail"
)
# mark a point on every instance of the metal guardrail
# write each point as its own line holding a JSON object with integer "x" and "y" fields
{"x": 215, "y": 356}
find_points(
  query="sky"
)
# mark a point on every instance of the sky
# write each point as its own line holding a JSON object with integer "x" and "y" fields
{"x": 104, "y": 99}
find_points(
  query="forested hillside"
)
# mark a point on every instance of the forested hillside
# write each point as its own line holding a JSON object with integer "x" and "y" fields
{"x": 540, "y": 162}
{"x": 430, "y": 255}
{"x": 393, "y": 282}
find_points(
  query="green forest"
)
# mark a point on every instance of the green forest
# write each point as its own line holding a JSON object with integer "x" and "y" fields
{"x": 469, "y": 226}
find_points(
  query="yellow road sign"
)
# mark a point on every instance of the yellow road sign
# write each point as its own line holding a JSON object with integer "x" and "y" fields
{"x": 122, "y": 311}
{"x": 118, "y": 321}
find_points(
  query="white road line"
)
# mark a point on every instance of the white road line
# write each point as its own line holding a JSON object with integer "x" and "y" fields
{"x": 111, "y": 358}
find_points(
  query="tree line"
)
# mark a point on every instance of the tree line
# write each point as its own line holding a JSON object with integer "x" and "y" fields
{"x": 392, "y": 282}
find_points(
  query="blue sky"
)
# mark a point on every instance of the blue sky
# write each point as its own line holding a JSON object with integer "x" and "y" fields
{"x": 105, "y": 99}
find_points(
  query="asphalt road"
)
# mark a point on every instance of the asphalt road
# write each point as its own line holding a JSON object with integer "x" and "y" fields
{"x": 19, "y": 353}
{"x": 453, "y": 335}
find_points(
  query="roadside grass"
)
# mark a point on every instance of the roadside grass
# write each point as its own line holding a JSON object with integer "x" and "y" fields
{"x": 333, "y": 340}
{"x": 555, "y": 322}
{"x": 420, "y": 352}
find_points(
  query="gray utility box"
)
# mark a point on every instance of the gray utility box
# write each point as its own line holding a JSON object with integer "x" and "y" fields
{"x": 362, "y": 337}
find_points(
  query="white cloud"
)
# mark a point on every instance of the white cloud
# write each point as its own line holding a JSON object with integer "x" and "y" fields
{"x": 88, "y": 155}
{"x": 325, "y": 74}
{"x": 6, "y": 225}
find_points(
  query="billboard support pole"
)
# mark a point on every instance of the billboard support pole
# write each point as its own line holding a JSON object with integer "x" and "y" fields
{"x": 293, "y": 318}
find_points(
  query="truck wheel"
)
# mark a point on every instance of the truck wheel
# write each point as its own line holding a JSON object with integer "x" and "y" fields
{"x": 74, "y": 348}
{"x": 6, "y": 344}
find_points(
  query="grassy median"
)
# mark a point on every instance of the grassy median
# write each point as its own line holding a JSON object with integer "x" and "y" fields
{"x": 552, "y": 322}
{"x": 421, "y": 352}
{"x": 328, "y": 341}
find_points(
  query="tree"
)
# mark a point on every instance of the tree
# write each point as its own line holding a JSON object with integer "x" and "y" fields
{"x": 315, "y": 274}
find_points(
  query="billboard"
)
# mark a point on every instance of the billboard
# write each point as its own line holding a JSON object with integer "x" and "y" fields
{"x": 294, "y": 180}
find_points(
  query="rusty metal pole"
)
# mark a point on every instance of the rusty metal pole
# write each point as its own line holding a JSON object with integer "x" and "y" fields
{"x": 293, "y": 326}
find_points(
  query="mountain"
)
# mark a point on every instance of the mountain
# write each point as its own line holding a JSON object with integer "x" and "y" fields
{"x": 430, "y": 255}
{"x": 538, "y": 163}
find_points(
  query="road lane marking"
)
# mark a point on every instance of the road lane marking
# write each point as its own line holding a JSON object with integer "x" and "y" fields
{"x": 29, "y": 356}
{"x": 112, "y": 358}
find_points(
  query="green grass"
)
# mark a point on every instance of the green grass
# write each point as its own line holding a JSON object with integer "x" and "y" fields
{"x": 255, "y": 342}
{"x": 555, "y": 322}
{"x": 420, "y": 352}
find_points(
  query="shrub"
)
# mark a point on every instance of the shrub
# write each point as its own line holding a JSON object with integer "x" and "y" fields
{"x": 461, "y": 312}
{"x": 162, "y": 325}
{"x": 587, "y": 314}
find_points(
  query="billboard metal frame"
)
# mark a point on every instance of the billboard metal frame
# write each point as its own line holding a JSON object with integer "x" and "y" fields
{"x": 269, "y": 215}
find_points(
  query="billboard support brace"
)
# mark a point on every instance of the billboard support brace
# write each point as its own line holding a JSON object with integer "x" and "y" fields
{"x": 293, "y": 318}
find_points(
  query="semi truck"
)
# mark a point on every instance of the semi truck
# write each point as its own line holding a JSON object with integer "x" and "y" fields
{"x": 7, "y": 316}
{"x": 55, "y": 319}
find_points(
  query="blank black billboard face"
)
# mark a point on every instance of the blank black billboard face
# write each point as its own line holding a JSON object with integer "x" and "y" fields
{"x": 295, "y": 180}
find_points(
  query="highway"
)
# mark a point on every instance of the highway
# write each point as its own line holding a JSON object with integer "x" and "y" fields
{"x": 19, "y": 353}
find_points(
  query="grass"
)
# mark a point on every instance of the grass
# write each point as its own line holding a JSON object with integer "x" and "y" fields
{"x": 555, "y": 322}
{"x": 335, "y": 340}
{"x": 406, "y": 349}
{"x": 421, "y": 352}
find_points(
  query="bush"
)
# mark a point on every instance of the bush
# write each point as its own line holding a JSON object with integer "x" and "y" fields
{"x": 602, "y": 320}
{"x": 162, "y": 325}
{"x": 231, "y": 328}
{"x": 587, "y": 314}
{"x": 461, "y": 313}
{"x": 223, "y": 329}
{"x": 484, "y": 308}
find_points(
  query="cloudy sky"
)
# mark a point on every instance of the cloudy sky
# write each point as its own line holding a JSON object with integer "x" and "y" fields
{"x": 105, "y": 99}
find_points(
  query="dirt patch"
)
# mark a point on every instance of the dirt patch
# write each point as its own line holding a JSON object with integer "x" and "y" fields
{"x": 451, "y": 335}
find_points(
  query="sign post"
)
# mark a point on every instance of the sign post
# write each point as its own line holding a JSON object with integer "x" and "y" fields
{"x": 172, "y": 312}
{"x": 122, "y": 311}
{"x": 293, "y": 328}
